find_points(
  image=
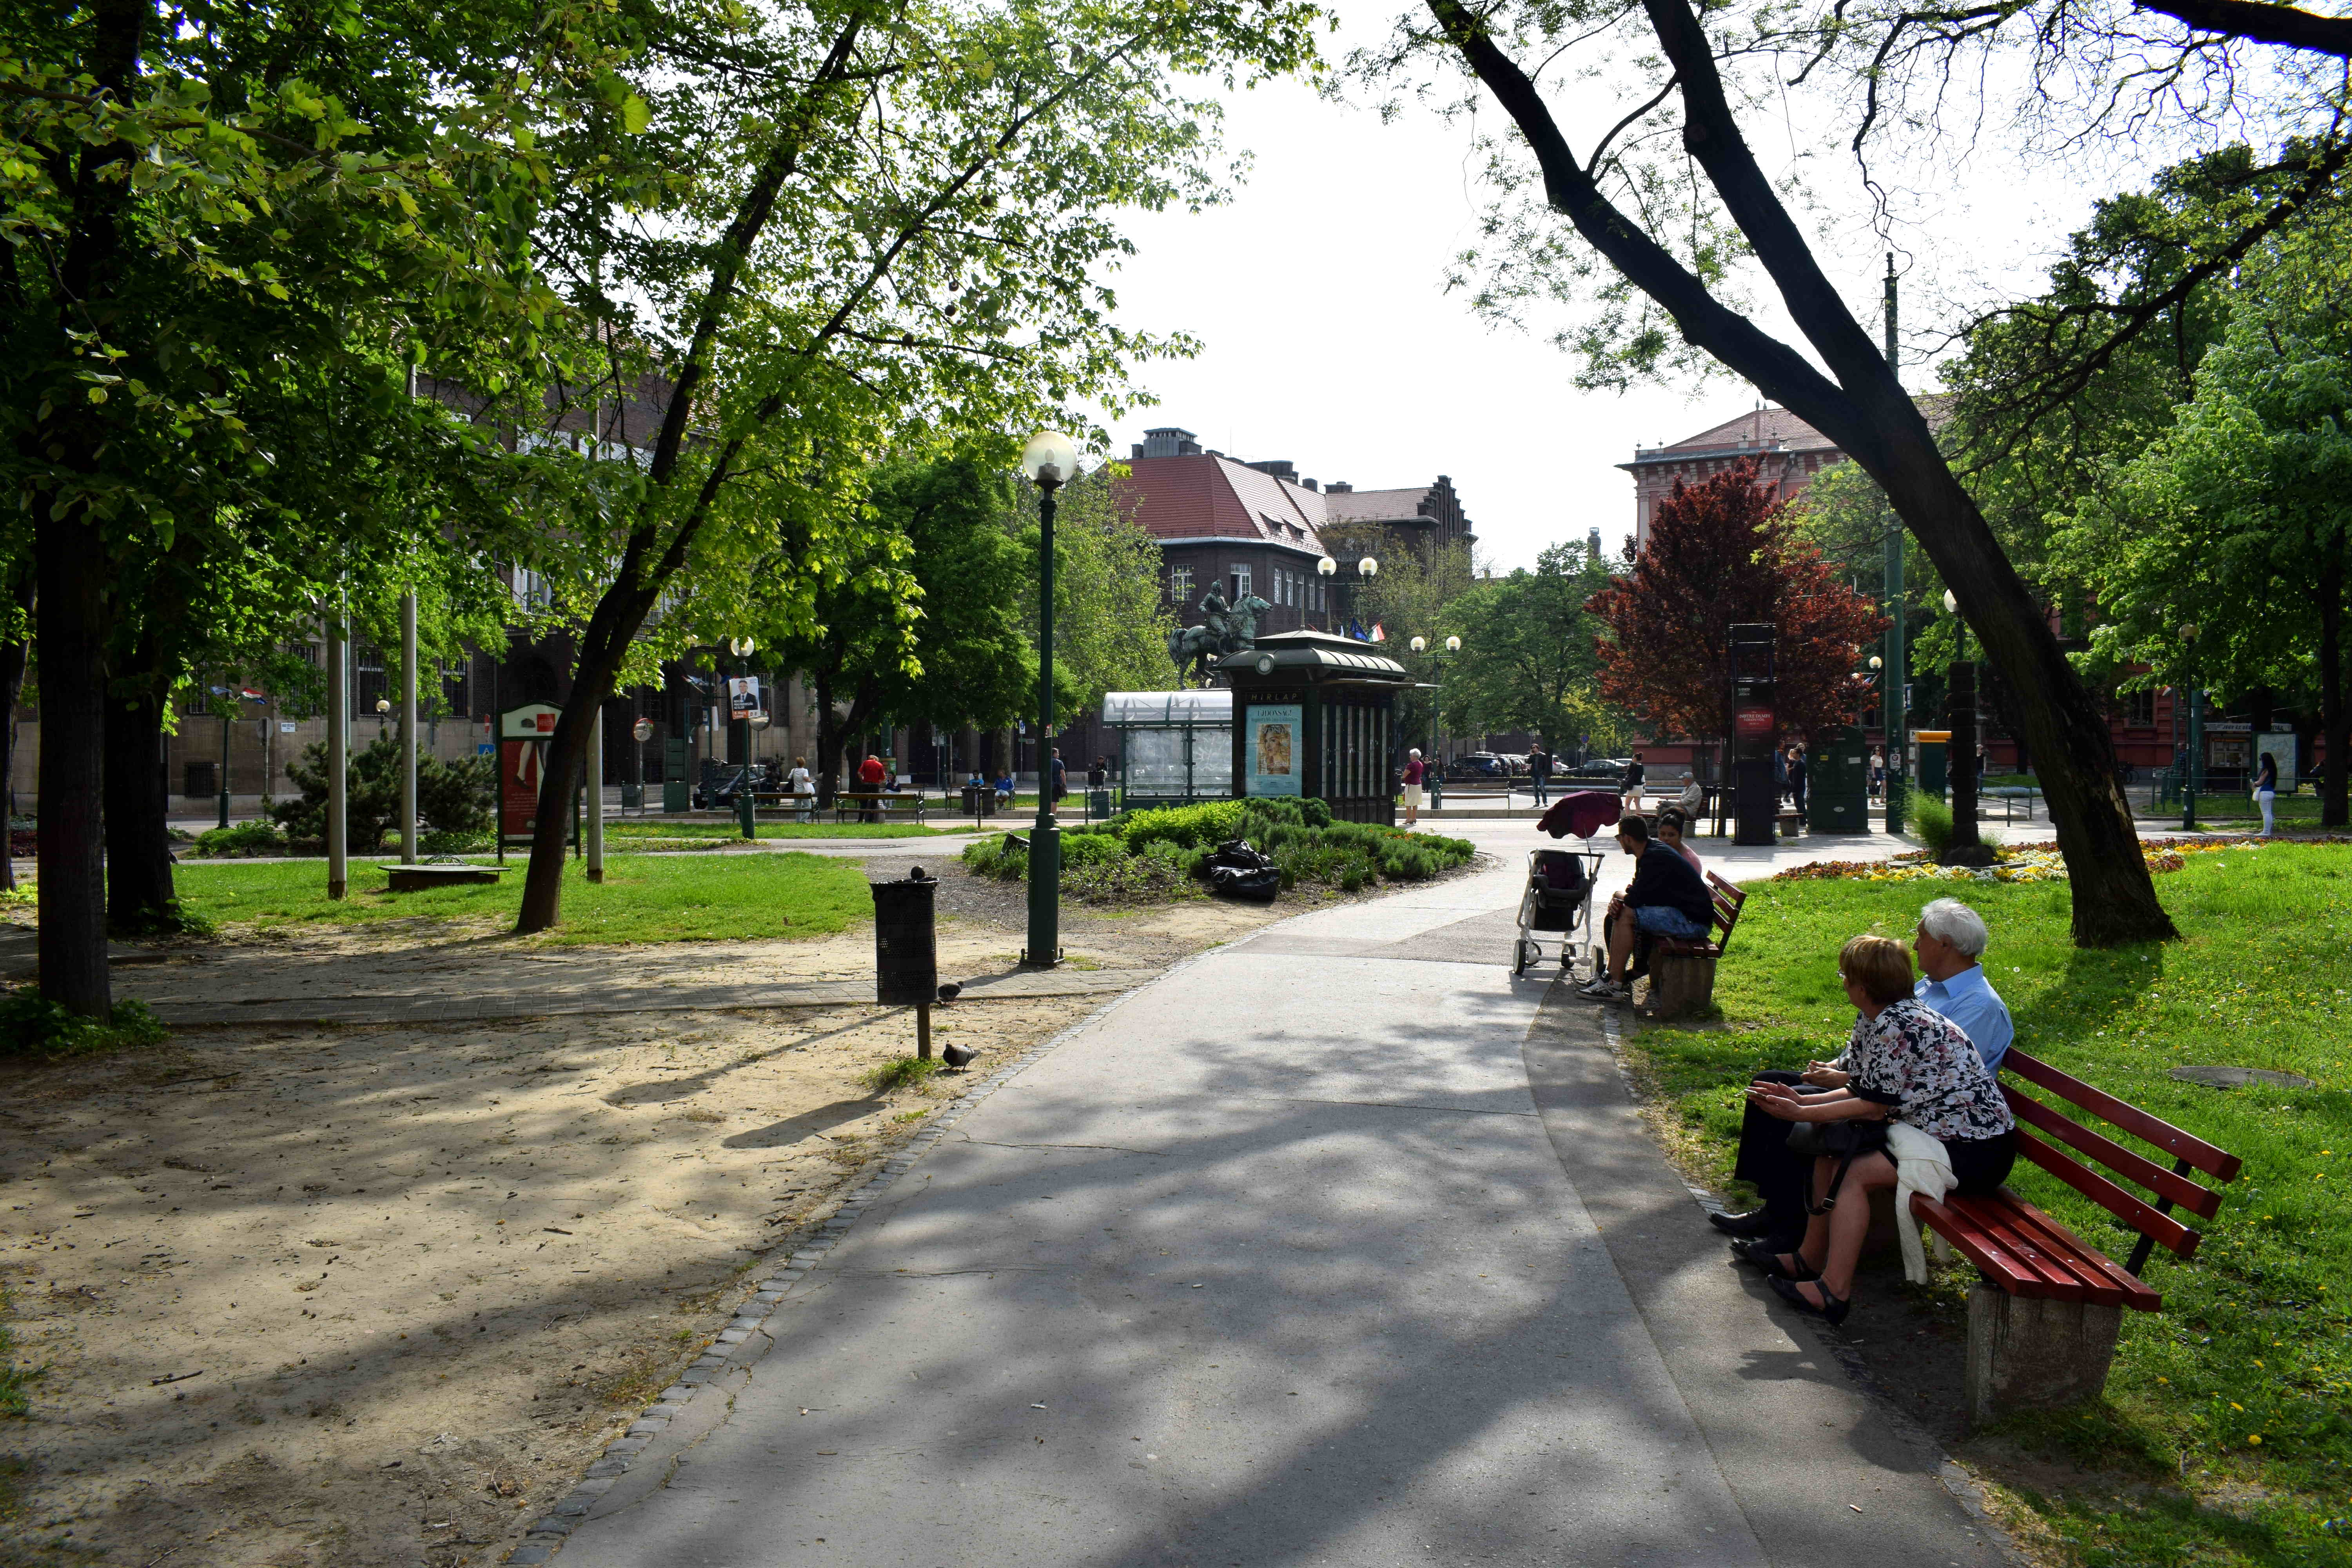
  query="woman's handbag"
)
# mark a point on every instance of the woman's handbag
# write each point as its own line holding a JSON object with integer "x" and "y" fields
{"x": 1844, "y": 1141}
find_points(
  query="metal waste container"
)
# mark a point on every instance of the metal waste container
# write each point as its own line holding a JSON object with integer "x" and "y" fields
{"x": 1934, "y": 752}
{"x": 1837, "y": 781}
{"x": 906, "y": 943}
{"x": 978, "y": 800}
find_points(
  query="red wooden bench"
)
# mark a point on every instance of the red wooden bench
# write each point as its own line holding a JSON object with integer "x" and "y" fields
{"x": 2043, "y": 1325}
{"x": 1682, "y": 968}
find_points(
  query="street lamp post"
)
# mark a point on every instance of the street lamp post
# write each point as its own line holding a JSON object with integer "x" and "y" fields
{"x": 2192, "y": 767}
{"x": 1049, "y": 461}
{"x": 1897, "y": 747}
{"x": 1960, "y": 627}
{"x": 1327, "y": 569}
{"x": 745, "y": 807}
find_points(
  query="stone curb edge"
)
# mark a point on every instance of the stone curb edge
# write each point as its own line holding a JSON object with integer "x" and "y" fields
{"x": 546, "y": 1537}
{"x": 1964, "y": 1488}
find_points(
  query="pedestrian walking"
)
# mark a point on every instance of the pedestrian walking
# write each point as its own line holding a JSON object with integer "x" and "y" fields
{"x": 1631, "y": 792}
{"x": 1540, "y": 773}
{"x": 803, "y": 787}
{"x": 1413, "y": 773}
{"x": 1797, "y": 778}
{"x": 1057, "y": 782}
{"x": 2266, "y": 791}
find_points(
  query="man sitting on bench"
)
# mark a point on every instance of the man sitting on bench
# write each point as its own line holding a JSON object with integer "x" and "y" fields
{"x": 1667, "y": 897}
{"x": 1950, "y": 944}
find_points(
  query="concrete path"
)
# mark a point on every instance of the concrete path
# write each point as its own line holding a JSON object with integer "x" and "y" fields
{"x": 1316, "y": 1251}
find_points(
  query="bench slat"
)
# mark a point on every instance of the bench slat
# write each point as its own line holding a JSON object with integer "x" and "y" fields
{"x": 2058, "y": 1259}
{"x": 2201, "y": 1201}
{"x": 2061, "y": 1283}
{"x": 2162, "y": 1228}
{"x": 1981, "y": 1248}
{"x": 2220, "y": 1163}
{"x": 2083, "y": 1256}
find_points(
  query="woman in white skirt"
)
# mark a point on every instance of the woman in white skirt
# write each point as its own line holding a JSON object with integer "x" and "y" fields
{"x": 803, "y": 787}
{"x": 1413, "y": 773}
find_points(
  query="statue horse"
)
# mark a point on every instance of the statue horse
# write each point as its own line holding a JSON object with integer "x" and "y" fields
{"x": 1200, "y": 645}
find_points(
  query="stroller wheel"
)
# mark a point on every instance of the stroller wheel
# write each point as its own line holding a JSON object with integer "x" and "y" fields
{"x": 1523, "y": 952}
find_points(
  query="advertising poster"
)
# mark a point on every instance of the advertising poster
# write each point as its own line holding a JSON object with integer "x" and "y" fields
{"x": 742, "y": 696}
{"x": 518, "y": 787}
{"x": 1273, "y": 733}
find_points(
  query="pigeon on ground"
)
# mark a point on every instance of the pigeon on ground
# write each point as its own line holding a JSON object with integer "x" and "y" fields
{"x": 951, "y": 991}
{"x": 956, "y": 1056}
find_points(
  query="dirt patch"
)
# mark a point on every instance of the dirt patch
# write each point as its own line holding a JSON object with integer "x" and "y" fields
{"x": 378, "y": 1293}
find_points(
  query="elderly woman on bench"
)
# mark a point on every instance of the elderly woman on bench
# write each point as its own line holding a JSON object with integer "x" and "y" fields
{"x": 1905, "y": 1065}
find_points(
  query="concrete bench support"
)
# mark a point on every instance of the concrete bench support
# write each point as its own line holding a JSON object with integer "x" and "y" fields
{"x": 2031, "y": 1353}
{"x": 1680, "y": 984}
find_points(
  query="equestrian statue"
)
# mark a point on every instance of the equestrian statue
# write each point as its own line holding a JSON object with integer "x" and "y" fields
{"x": 1225, "y": 629}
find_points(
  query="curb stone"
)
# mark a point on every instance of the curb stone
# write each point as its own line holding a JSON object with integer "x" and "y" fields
{"x": 1964, "y": 1488}
{"x": 546, "y": 1535}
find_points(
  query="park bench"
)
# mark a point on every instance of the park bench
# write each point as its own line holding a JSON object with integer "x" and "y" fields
{"x": 1682, "y": 968}
{"x": 2043, "y": 1323}
{"x": 884, "y": 805}
{"x": 442, "y": 874}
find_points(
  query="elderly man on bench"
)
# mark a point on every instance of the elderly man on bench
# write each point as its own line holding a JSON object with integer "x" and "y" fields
{"x": 1950, "y": 944}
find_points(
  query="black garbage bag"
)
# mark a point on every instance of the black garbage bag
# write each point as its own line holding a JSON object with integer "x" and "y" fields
{"x": 1238, "y": 871}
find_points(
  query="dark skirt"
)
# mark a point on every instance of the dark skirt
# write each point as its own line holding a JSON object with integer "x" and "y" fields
{"x": 1979, "y": 1165}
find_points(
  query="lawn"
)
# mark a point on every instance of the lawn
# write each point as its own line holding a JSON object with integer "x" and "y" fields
{"x": 2240, "y": 1390}
{"x": 644, "y": 898}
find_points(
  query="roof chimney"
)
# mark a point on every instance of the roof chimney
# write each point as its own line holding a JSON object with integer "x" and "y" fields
{"x": 1338, "y": 488}
{"x": 1278, "y": 467}
{"x": 1308, "y": 485}
{"x": 1135, "y": 450}
{"x": 1167, "y": 441}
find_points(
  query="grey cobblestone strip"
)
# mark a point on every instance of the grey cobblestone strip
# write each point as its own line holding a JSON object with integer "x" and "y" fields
{"x": 546, "y": 1536}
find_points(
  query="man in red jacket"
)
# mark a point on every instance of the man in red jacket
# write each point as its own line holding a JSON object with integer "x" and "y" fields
{"x": 870, "y": 775}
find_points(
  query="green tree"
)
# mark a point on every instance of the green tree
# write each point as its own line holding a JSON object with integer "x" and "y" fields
{"x": 212, "y": 217}
{"x": 2233, "y": 520}
{"x": 889, "y": 231}
{"x": 1527, "y": 658}
{"x": 933, "y": 628}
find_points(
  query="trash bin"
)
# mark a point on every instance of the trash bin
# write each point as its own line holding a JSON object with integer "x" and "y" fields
{"x": 906, "y": 943}
{"x": 1837, "y": 781}
{"x": 978, "y": 800}
{"x": 1097, "y": 805}
{"x": 1934, "y": 753}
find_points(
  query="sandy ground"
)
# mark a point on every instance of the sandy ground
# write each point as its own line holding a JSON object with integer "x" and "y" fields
{"x": 375, "y": 1294}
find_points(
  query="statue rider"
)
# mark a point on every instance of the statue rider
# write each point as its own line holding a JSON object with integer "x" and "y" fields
{"x": 1217, "y": 615}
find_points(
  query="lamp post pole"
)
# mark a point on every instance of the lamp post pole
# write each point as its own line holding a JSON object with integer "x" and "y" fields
{"x": 408, "y": 729}
{"x": 1897, "y": 750}
{"x": 745, "y": 807}
{"x": 224, "y": 767}
{"x": 1049, "y": 461}
{"x": 2192, "y": 769}
{"x": 1326, "y": 568}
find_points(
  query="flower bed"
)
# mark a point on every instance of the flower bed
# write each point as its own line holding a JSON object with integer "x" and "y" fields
{"x": 2015, "y": 863}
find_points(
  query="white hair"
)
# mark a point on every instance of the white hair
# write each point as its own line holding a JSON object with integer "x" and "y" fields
{"x": 1412, "y": 751}
{"x": 1952, "y": 923}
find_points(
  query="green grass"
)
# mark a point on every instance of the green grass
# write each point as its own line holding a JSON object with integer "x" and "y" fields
{"x": 2212, "y": 808}
{"x": 639, "y": 829}
{"x": 902, "y": 1072}
{"x": 2255, "y": 1340}
{"x": 644, "y": 898}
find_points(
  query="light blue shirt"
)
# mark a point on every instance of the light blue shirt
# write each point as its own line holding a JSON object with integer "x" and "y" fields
{"x": 1968, "y": 1000}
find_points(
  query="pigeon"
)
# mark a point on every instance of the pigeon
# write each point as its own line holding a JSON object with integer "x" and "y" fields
{"x": 951, "y": 991}
{"x": 956, "y": 1056}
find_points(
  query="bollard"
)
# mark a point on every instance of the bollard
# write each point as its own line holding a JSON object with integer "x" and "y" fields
{"x": 905, "y": 950}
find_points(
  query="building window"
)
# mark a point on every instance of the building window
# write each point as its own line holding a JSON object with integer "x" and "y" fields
{"x": 1240, "y": 583}
{"x": 1179, "y": 585}
{"x": 2139, "y": 709}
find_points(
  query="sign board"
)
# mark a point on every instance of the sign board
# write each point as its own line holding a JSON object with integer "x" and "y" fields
{"x": 742, "y": 696}
{"x": 286, "y": 726}
{"x": 532, "y": 721}
{"x": 484, "y": 749}
{"x": 1752, "y": 721}
{"x": 1277, "y": 760}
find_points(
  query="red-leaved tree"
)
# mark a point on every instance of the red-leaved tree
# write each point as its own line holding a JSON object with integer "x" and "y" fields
{"x": 1722, "y": 553}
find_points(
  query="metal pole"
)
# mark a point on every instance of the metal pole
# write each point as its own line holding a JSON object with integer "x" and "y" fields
{"x": 923, "y": 1031}
{"x": 596, "y": 797}
{"x": 2193, "y": 775}
{"x": 1044, "y": 838}
{"x": 746, "y": 806}
{"x": 224, "y": 778}
{"x": 408, "y": 729}
{"x": 339, "y": 748}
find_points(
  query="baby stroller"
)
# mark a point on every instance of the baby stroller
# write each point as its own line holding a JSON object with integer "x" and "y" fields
{"x": 1558, "y": 898}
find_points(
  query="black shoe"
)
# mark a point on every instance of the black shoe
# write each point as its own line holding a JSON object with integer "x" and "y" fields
{"x": 1764, "y": 1255}
{"x": 1831, "y": 1308}
{"x": 1755, "y": 1222}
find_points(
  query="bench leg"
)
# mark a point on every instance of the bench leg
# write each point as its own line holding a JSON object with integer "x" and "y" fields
{"x": 2028, "y": 1353}
{"x": 1680, "y": 985}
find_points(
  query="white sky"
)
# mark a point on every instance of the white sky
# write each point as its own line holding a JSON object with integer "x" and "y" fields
{"x": 1330, "y": 340}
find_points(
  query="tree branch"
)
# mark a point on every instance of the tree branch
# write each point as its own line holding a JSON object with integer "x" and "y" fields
{"x": 2260, "y": 23}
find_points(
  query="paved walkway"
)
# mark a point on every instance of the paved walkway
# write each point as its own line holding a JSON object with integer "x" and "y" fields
{"x": 1336, "y": 1246}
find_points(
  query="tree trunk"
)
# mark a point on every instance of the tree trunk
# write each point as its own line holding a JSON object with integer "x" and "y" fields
{"x": 12, "y": 690}
{"x": 1870, "y": 416}
{"x": 139, "y": 893}
{"x": 71, "y": 561}
{"x": 2335, "y": 712}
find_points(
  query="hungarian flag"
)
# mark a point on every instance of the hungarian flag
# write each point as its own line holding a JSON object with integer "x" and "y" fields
{"x": 1378, "y": 635}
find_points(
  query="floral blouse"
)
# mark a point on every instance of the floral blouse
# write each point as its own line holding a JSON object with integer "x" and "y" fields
{"x": 1924, "y": 1066}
